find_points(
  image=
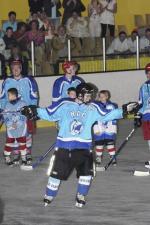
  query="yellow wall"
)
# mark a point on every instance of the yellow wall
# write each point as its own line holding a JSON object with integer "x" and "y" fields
{"x": 126, "y": 10}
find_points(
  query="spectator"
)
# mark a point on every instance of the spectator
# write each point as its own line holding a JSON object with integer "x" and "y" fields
{"x": 94, "y": 18}
{"x": 57, "y": 48}
{"x": 109, "y": 8}
{"x": 20, "y": 35}
{"x": 51, "y": 8}
{"x": 132, "y": 43}
{"x": 145, "y": 42}
{"x": 37, "y": 36}
{"x": 11, "y": 22}
{"x": 35, "y": 6}
{"x": 70, "y": 6}
{"x": 9, "y": 39}
{"x": 16, "y": 55}
{"x": 119, "y": 45}
{"x": 34, "y": 34}
{"x": 94, "y": 25}
{"x": 77, "y": 27}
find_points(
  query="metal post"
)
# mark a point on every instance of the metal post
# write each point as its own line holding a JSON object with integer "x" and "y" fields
{"x": 33, "y": 58}
{"x": 137, "y": 53}
{"x": 104, "y": 55}
{"x": 69, "y": 50}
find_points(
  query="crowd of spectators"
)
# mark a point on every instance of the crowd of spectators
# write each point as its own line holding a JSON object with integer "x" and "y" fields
{"x": 50, "y": 30}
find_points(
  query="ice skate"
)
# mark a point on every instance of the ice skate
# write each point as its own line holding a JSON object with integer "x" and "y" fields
{"x": 29, "y": 159}
{"x": 80, "y": 201}
{"x": 16, "y": 159}
{"x": 47, "y": 200}
{"x": 114, "y": 163}
{"x": 8, "y": 161}
{"x": 98, "y": 162}
{"x": 147, "y": 164}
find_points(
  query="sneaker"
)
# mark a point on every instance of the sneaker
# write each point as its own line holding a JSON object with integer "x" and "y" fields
{"x": 80, "y": 201}
{"x": 147, "y": 164}
{"x": 98, "y": 162}
{"x": 47, "y": 200}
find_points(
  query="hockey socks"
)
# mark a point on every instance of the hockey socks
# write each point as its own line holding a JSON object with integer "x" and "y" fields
{"x": 51, "y": 190}
{"x": 84, "y": 185}
{"x": 82, "y": 190}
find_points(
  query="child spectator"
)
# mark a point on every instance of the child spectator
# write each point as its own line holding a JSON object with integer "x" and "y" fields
{"x": 11, "y": 22}
{"x": 16, "y": 126}
{"x": 105, "y": 133}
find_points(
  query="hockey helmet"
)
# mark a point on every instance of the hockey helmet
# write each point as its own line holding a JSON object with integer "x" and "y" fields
{"x": 84, "y": 88}
{"x": 147, "y": 68}
{"x": 66, "y": 65}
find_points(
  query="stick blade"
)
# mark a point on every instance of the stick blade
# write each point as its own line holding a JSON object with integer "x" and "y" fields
{"x": 100, "y": 169}
{"x": 26, "y": 167}
{"x": 141, "y": 173}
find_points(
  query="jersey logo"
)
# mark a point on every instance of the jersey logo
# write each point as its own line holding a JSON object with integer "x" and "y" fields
{"x": 148, "y": 102}
{"x": 76, "y": 127}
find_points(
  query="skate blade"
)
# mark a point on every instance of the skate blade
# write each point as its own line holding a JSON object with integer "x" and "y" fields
{"x": 100, "y": 169}
{"x": 46, "y": 204}
{"x": 26, "y": 167}
{"x": 141, "y": 173}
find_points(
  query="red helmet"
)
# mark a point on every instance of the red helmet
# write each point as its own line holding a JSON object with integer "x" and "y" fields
{"x": 16, "y": 62}
{"x": 67, "y": 65}
{"x": 147, "y": 68}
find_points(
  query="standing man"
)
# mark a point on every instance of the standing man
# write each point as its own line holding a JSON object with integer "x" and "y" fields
{"x": 70, "y": 79}
{"x": 28, "y": 92}
{"x": 143, "y": 117}
{"x": 74, "y": 140}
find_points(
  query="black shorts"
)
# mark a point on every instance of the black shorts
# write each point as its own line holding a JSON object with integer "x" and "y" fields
{"x": 66, "y": 161}
{"x": 105, "y": 142}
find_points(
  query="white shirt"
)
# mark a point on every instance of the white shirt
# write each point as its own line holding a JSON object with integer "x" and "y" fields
{"x": 144, "y": 43}
{"x": 117, "y": 45}
{"x": 77, "y": 28}
{"x": 107, "y": 17}
{"x": 132, "y": 44}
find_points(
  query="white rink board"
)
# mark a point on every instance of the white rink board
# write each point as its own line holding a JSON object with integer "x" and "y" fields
{"x": 124, "y": 86}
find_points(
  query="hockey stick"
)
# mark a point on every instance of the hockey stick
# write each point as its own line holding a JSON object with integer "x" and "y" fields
{"x": 38, "y": 161}
{"x": 118, "y": 151}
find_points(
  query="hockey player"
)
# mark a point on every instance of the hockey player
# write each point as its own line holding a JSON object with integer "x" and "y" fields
{"x": 105, "y": 133}
{"x": 143, "y": 116}
{"x": 70, "y": 79}
{"x": 16, "y": 126}
{"x": 28, "y": 91}
{"x": 74, "y": 140}
{"x": 72, "y": 93}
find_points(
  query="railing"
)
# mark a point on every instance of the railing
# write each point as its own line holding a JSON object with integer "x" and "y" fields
{"x": 96, "y": 63}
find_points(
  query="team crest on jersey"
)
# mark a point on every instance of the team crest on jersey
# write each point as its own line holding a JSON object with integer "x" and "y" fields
{"x": 148, "y": 102}
{"x": 76, "y": 127}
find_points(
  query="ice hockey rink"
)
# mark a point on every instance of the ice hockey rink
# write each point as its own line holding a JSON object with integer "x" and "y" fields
{"x": 115, "y": 198}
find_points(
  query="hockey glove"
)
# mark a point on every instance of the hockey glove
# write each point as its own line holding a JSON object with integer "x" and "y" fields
{"x": 138, "y": 120}
{"x": 30, "y": 112}
{"x": 130, "y": 108}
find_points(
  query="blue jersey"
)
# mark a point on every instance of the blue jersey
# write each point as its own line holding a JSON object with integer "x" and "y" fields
{"x": 15, "y": 122}
{"x": 61, "y": 86}
{"x": 106, "y": 130}
{"x": 144, "y": 100}
{"x": 75, "y": 122}
{"x": 27, "y": 89}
